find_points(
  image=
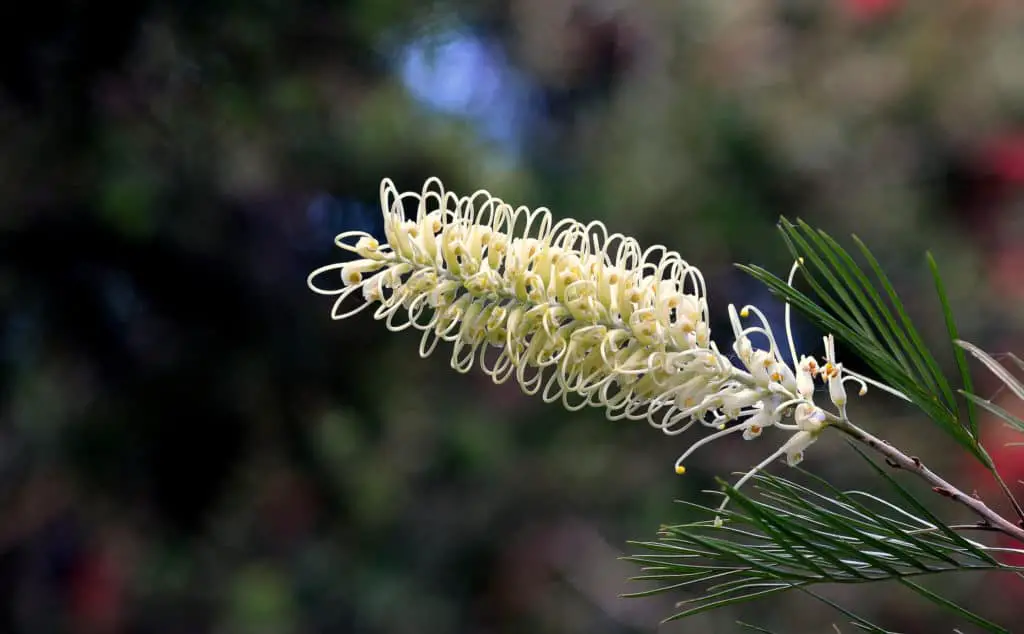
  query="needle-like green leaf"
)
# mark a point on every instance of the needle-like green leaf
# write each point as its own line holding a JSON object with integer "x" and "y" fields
{"x": 791, "y": 536}
{"x": 862, "y": 309}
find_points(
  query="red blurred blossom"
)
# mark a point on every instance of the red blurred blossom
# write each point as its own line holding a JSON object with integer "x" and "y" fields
{"x": 1007, "y": 265}
{"x": 997, "y": 437}
{"x": 869, "y": 9}
{"x": 97, "y": 593}
{"x": 1003, "y": 158}
{"x": 289, "y": 506}
{"x": 999, "y": 166}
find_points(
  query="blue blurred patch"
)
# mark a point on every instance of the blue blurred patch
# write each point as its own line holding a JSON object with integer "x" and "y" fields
{"x": 328, "y": 216}
{"x": 460, "y": 73}
{"x": 120, "y": 297}
{"x": 20, "y": 333}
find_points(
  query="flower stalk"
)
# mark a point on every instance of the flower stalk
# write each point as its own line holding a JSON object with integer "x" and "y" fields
{"x": 990, "y": 519}
{"x": 586, "y": 317}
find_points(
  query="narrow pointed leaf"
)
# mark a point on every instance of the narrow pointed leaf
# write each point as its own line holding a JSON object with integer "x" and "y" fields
{"x": 1009, "y": 418}
{"x": 859, "y": 621}
{"x": 954, "y": 336}
{"x": 800, "y": 239}
{"x": 955, "y": 608}
{"x": 926, "y": 359}
{"x": 1011, "y": 382}
{"x": 754, "y": 628}
{"x": 881, "y": 316}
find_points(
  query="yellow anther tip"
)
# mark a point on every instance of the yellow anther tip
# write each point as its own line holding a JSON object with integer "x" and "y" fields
{"x": 680, "y": 469}
{"x": 744, "y": 313}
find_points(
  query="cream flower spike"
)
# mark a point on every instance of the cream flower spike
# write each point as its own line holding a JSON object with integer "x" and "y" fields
{"x": 578, "y": 315}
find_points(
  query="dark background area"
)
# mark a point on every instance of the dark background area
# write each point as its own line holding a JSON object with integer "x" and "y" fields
{"x": 189, "y": 444}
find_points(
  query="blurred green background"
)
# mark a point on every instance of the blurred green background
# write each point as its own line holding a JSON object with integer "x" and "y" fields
{"x": 189, "y": 444}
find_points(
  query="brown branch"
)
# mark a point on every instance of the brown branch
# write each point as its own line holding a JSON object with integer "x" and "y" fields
{"x": 899, "y": 460}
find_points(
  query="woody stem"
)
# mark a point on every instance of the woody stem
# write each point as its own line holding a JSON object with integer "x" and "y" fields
{"x": 899, "y": 460}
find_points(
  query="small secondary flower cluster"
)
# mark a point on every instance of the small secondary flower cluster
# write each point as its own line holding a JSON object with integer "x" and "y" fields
{"x": 579, "y": 315}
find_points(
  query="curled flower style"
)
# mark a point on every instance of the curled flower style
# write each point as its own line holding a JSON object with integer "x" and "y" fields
{"x": 578, "y": 315}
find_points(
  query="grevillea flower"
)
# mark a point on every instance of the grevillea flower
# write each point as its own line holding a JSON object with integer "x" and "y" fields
{"x": 578, "y": 315}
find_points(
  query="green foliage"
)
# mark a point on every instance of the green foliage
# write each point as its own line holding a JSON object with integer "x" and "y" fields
{"x": 869, "y": 317}
{"x": 789, "y": 536}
